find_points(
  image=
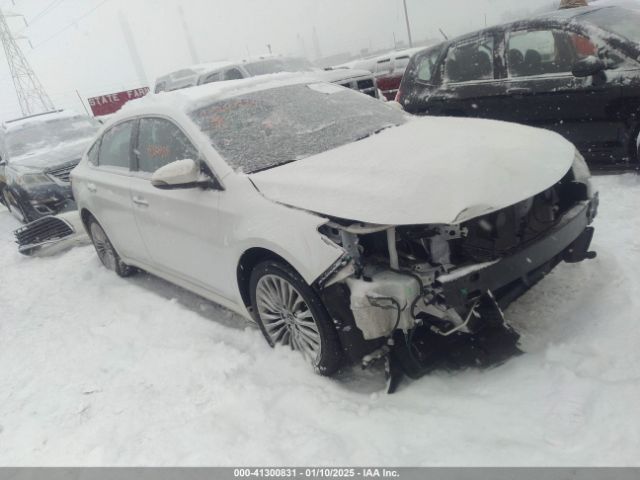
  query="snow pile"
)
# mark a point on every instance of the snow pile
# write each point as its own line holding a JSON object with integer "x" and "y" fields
{"x": 97, "y": 370}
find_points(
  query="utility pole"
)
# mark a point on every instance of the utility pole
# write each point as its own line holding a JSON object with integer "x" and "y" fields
{"x": 30, "y": 92}
{"x": 133, "y": 49}
{"x": 192, "y": 46}
{"x": 406, "y": 16}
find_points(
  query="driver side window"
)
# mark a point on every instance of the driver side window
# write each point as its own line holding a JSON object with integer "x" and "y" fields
{"x": 160, "y": 142}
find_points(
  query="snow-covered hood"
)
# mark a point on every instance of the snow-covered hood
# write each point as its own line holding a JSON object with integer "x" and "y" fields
{"x": 429, "y": 171}
{"x": 45, "y": 159}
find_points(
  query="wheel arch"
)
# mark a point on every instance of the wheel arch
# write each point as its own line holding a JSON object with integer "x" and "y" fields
{"x": 86, "y": 216}
{"x": 247, "y": 262}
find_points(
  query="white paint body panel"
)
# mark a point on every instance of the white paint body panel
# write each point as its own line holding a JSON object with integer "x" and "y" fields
{"x": 195, "y": 238}
{"x": 415, "y": 174}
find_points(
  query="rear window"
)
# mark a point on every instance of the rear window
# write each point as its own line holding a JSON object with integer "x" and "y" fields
{"x": 620, "y": 21}
{"x": 262, "y": 130}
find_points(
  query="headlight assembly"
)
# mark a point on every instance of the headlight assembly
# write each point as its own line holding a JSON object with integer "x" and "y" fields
{"x": 32, "y": 179}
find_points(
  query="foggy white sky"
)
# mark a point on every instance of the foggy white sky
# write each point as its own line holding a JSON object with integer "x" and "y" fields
{"x": 76, "y": 49}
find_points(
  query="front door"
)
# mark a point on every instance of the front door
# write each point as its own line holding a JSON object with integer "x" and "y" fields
{"x": 546, "y": 94}
{"x": 179, "y": 227}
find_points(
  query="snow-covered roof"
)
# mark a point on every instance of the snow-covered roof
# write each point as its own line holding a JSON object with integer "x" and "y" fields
{"x": 190, "y": 98}
{"x": 19, "y": 123}
{"x": 198, "y": 69}
{"x": 368, "y": 62}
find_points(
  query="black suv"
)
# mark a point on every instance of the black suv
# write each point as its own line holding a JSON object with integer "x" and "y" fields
{"x": 37, "y": 155}
{"x": 575, "y": 71}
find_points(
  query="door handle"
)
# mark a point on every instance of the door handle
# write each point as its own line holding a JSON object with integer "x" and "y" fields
{"x": 140, "y": 201}
{"x": 92, "y": 188}
{"x": 519, "y": 91}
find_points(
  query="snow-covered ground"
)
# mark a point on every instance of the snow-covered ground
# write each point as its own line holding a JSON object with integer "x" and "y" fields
{"x": 96, "y": 370}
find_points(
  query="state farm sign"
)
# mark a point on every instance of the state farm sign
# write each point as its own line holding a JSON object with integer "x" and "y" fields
{"x": 111, "y": 103}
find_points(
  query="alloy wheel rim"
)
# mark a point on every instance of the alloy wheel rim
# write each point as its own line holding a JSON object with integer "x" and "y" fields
{"x": 103, "y": 246}
{"x": 287, "y": 318}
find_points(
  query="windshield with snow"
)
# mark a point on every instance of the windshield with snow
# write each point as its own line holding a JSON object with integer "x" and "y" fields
{"x": 616, "y": 20}
{"x": 49, "y": 134}
{"x": 262, "y": 130}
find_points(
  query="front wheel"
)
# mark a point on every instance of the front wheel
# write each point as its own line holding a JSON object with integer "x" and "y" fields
{"x": 106, "y": 253}
{"x": 290, "y": 313}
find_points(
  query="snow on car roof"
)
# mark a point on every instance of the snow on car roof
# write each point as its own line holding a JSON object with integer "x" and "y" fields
{"x": 19, "y": 123}
{"x": 568, "y": 14}
{"x": 198, "y": 69}
{"x": 189, "y": 99}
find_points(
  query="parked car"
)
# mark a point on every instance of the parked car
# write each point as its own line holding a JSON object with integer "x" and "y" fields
{"x": 278, "y": 201}
{"x": 360, "y": 80}
{"x": 37, "y": 153}
{"x": 574, "y": 71}
{"x": 387, "y": 69}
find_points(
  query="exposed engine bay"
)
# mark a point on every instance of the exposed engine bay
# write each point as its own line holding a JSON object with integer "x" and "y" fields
{"x": 407, "y": 283}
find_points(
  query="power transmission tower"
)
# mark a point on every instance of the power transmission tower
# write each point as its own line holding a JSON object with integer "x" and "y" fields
{"x": 30, "y": 92}
{"x": 406, "y": 16}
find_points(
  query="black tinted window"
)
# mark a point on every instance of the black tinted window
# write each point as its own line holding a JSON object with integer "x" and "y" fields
{"x": 470, "y": 61}
{"x": 617, "y": 20}
{"x": 115, "y": 146}
{"x": 233, "y": 74}
{"x": 545, "y": 52}
{"x": 214, "y": 77}
{"x": 427, "y": 65}
{"x": 160, "y": 142}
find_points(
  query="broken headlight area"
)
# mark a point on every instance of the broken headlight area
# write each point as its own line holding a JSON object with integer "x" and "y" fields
{"x": 414, "y": 292}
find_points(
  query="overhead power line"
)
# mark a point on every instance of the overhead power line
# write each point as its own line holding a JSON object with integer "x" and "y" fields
{"x": 43, "y": 13}
{"x": 71, "y": 24}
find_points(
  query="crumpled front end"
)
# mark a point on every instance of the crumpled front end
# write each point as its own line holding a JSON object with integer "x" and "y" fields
{"x": 416, "y": 292}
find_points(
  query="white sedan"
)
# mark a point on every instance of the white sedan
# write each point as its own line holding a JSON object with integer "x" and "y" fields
{"x": 345, "y": 228}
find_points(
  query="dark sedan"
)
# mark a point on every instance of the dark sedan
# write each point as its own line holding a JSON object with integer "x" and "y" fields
{"x": 37, "y": 155}
{"x": 576, "y": 72}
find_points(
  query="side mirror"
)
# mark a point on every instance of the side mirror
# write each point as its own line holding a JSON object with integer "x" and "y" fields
{"x": 180, "y": 175}
{"x": 587, "y": 67}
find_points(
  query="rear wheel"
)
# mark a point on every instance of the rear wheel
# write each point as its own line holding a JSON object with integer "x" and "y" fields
{"x": 290, "y": 313}
{"x": 106, "y": 253}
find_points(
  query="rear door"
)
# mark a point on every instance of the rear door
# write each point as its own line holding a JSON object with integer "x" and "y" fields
{"x": 471, "y": 79}
{"x": 546, "y": 94}
{"x": 107, "y": 190}
{"x": 179, "y": 227}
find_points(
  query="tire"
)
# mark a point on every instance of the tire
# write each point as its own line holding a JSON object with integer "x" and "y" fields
{"x": 290, "y": 313}
{"x": 14, "y": 206}
{"x": 106, "y": 252}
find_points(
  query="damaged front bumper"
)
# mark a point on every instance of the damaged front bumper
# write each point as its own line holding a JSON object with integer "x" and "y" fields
{"x": 387, "y": 311}
{"x": 52, "y": 234}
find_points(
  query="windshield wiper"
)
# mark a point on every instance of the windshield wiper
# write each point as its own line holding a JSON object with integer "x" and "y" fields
{"x": 375, "y": 132}
{"x": 271, "y": 166}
